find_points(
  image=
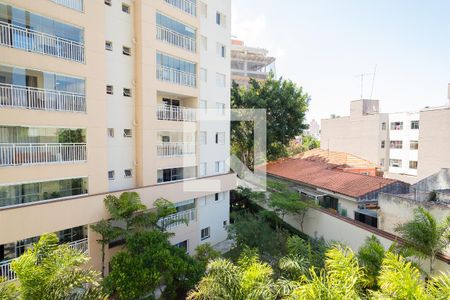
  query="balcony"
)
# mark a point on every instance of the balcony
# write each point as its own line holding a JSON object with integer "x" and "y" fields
{"x": 173, "y": 149}
{"x": 7, "y": 272}
{"x": 31, "y": 154}
{"x": 188, "y": 6}
{"x": 177, "y": 219}
{"x": 38, "y": 42}
{"x": 73, "y": 4}
{"x": 17, "y": 96}
{"x": 175, "y": 113}
{"x": 174, "y": 38}
{"x": 175, "y": 76}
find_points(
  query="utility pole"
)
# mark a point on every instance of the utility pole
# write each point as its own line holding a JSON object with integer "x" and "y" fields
{"x": 362, "y": 75}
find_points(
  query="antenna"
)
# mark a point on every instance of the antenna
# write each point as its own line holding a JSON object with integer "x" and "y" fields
{"x": 362, "y": 75}
{"x": 373, "y": 81}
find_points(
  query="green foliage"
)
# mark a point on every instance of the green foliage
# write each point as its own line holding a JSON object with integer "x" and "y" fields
{"x": 205, "y": 252}
{"x": 309, "y": 143}
{"x": 8, "y": 291}
{"x": 286, "y": 105}
{"x": 424, "y": 236}
{"x": 125, "y": 208}
{"x": 51, "y": 271}
{"x": 311, "y": 251}
{"x": 107, "y": 234}
{"x": 370, "y": 257}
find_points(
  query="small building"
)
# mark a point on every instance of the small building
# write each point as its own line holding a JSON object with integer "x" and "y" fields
{"x": 349, "y": 194}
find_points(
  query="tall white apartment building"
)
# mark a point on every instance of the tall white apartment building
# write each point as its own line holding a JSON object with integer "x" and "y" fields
{"x": 408, "y": 146}
{"x": 101, "y": 97}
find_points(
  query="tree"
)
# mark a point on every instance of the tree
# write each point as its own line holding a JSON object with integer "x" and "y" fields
{"x": 370, "y": 257}
{"x": 8, "y": 291}
{"x": 205, "y": 253}
{"x": 127, "y": 208}
{"x": 107, "y": 234}
{"x": 51, "y": 271}
{"x": 309, "y": 143}
{"x": 424, "y": 236}
{"x": 285, "y": 104}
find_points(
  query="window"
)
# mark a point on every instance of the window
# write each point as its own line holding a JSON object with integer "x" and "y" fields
{"x": 127, "y": 133}
{"x": 203, "y": 74}
{"x": 110, "y": 132}
{"x": 183, "y": 245}
{"x": 220, "y": 50}
{"x": 127, "y": 92}
{"x": 225, "y": 223}
{"x": 397, "y": 163}
{"x": 366, "y": 219}
{"x": 382, "y": 162}
{"x": 203, "y": 9}
{"x": 126, "y": 51}
{"x": 203, "y": 105}
{"x": 219, "y": 166}
{"x": 413, "y": 164}
{"x": 203, "y": 138}
{"x": 174, "y": 174}
{"x": 220, "y": 138}
{"x": 109, "y": 89}
{"x": 108, "y": 2}
{"x": 220, "y": 79}
{"x": 221, "y": 19}
{"x": 108, "y": 45}
{"x": 216, "y": 197}
{"x": 111, "y": 175}
{"x": 396, "y": 125}
{"x": 204, "y": 42}
{"x": 383, "y": 126}
{"x": 128, "y": 173}
{"x": 414, "y": 124}
{"x": 220, "y": 108}
{"x": 202, "y": 169}
{"x": 125, "y": 8}
{"x": 383, "y": 143}
{"x": 396, "y": 144}
{"x": 205, "y": 233}
{"x": 413, "y": 145}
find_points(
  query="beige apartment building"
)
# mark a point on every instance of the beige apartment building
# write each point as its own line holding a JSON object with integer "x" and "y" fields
{"x": 408, "y": 146}
{"x": 101, "y": 97}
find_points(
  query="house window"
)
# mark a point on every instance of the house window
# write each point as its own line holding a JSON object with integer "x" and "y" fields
{"x": 220, "y": 138}
{"x": 220, "y": 49}
{"x": 366, "y": 219}
{"x": 396, "y": 125}
{"x": 396, "y": 163}
{"x": 329, "y": 202}
{"x": 203, "y": 138}
{"x": 108, "y": 2}
{"x": 127, "y": 92}
{"x": 396, "y": 144}
{"x": 203, "y": 74}
{"x": 110, "y": 132}
{"x": 128, "y": 173}
{"x": 413, "y": 145}
{"x": 183, "y": 245}
{"x": 204, "y": 42}
{"x": 108, "y": 45}
{"x": 109, "y": 89}
{"x": 125, "y": 8}
{"x": 127, "y": 133}
{"x": 383, "y": 143}
{"x": 205, "y": 233}
{"x": 111, "y": 175}
{"x": 221, "y": 19}
{"x": 383, "y": 126}
{"x": 413, "y": 164}
{"x": 414, "y": 124}
{"x": 220, "y": 79}
{"x": 204, "y": 10}
{"x": 220, "y": 108}
{"x": 126, "y": 51}
{"x": 202, "y": 169}
{"x": 219, "y": 166}
{"x": 216, "y": 197}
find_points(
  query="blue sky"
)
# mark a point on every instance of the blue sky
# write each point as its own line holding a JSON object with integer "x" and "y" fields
{"x": 322, "y": 44}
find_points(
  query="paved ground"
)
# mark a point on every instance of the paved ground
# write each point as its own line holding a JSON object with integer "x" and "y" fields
{"x": 224, "y": 246}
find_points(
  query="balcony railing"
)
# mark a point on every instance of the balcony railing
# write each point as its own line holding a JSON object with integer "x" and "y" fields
{"x": 175, "y": 76}
{"x": 175, "y": 113}
{"x": 17, "y": 96}
{"x": 188, "y": 6}
{"x": 5, "y": 266}
{"x": 171, "y": 149}
{"x": 73, "y": 4}
{"x": 174, "y": 38}
{"x": 28, "y": 154}
{"x": 34, "y": 41}
{"x": 177, "y": 219}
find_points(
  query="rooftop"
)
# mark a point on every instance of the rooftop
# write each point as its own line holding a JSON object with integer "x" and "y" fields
{"x": 336, "y": 158}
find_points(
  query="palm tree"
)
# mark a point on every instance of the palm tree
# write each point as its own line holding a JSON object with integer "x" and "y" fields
{"x": 51, "y": 271}
{"x": 107, "y": 234}
{"x": 370, "y": 257}
{"x": 8, "y": 291}
{"x": 424, "y": 236}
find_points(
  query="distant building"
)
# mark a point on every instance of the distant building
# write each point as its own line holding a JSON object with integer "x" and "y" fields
{"x": 313, "y": 130}
{"x": 249, "y": 62}
{"x": 409, "y": 146}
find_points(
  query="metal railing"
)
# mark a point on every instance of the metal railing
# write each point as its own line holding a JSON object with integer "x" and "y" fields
{"x": 8, "y": 274}
{"x": 40, "y": 99}
{"x": 175, "y": 113}
{"x": 174, "y": 38}
{"x": 171, "y": 149}
{"x": 28, "y": 154}
{"x": 177, "y": 219}
{"x": 188, "y": 6}
{"x": 34, "y": 41}
{"x": 73, "y": 4}
{"x": 175, "y": 76}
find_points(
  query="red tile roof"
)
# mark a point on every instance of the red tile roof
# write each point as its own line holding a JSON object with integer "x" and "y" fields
{"x": 324, "y": 176}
